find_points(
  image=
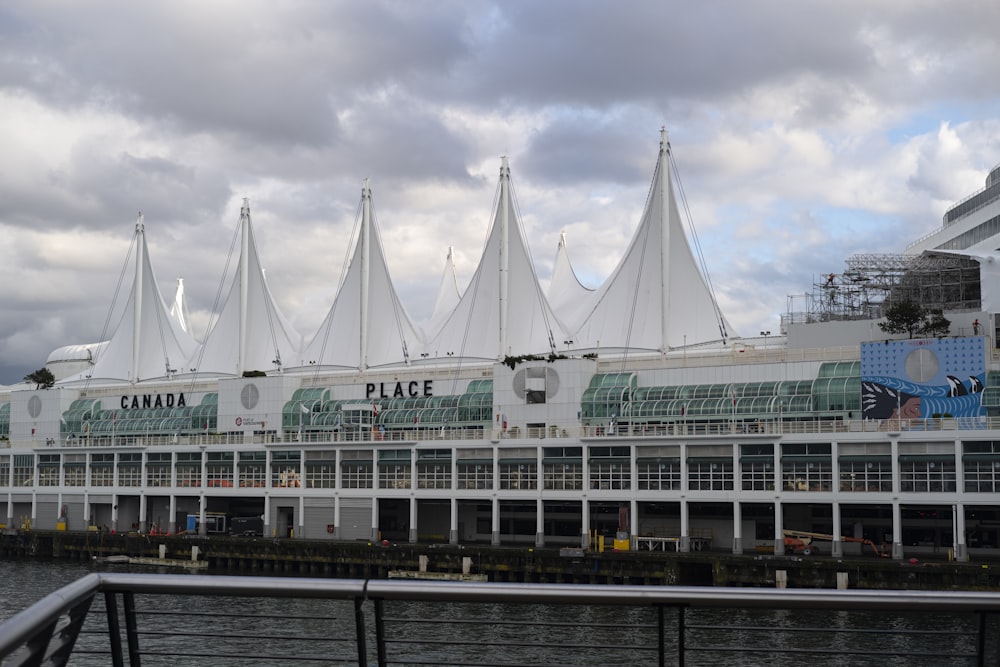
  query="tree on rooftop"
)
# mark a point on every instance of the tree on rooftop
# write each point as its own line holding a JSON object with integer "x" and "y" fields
{"x": 43, "y": 378}
{"x": 913, "y": 319}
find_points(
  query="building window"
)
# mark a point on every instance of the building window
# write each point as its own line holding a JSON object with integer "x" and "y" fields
{"x": 867, "y": 476}
{"x": 807, "y": 476}
{"x": 321, "y": 474}
{"x": 659, "y": 476}
{"x": 518, "y": 476}
{"x": 927, "y": 476}
{"x": 563, "y": 476}
{"x": 102, "y": 470}
{"x": 189, "y": 469}
{"x": 356, "y": 474}
{"x": 757, "y": 476}
{"x": 24, "y": 470}
{"x": 130, "y": 470}
{"x": 48, "y": 470}
{"x": 219, "y": 471}
{"x": 393, "y": 475}
{"x": 710, "y": 476}
{"x": 982, "y": 476}
{"x": 252, "y": 469}
{"x": 475, "y": 475}
{"x": 434, "y": 475}
{"x": 158, "y": 469}
{"x": 285, "y": 468}
{"x": 4, "y": 470}
{"x": 76, "y": 474}
{"x": 610, "y": 475}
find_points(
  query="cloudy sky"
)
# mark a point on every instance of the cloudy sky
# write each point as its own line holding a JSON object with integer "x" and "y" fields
{"x": 804, "y": 132}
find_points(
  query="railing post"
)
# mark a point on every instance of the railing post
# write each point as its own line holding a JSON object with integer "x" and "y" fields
{"x": 680, "y": 636}
{"x": 359, "y": 629}
{"x": 661, "y": 635}
{"x": 131, "y": 631}
{"x": 981, "y": 641}
{"x": 114, "y": 629}
{"x": 380, "y": 632}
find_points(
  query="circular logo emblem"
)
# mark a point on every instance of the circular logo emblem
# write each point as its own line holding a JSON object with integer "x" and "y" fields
{"x": 239, "y": 421}
{"x": 34, "y": 406}
{"x": 249, "y": 396}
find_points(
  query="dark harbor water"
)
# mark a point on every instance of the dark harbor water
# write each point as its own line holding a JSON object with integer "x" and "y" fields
{"x": 215, "y": 631}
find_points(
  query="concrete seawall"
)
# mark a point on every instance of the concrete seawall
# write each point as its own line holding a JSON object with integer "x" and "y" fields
{"x": 373, "y": 560}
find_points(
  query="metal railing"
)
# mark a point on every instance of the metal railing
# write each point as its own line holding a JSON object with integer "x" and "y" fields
{"x": 219, "y": 620}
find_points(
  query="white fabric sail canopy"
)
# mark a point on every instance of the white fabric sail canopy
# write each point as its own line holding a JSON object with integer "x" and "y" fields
{"x": 656, "y": 299}
{"x": 367, "y": 325}
{"x": 147, "y": 343}
{"x": 503, "y": 311}
{"x": 568, "y": 297}
{"x": 250, "y": 332}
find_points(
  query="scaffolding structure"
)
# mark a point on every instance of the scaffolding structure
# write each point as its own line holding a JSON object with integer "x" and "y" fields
{"x": 873, "y": 282}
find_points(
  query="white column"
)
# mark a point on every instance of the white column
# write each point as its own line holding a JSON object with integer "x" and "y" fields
{"x": 143, "y": 508}
{"x": 961, "y": 548}
{"x": 584, "y": 522}
{"x": 412, "y": 537}
{"x": 737, "y": 528}
{"x": 453, "y": 534}
{"x": 300, "y": 529}
{"x": 779, "y": 536}
{"x": 267, "y": 515}
{"x": 539, "y": 523}
{"x": 172, "y": 519}
{"x": 114, "y": 511}
{"x": 336, "y": 516}
{"x": 837, "y": 548}
{"x": 897, "y": 523}
{"x": 495, "y": 521}
{"x": 375, "y": 535}
{"x": 633, "y": 518}
{"x": 685, "y": 542}
{"x": 202, "y": 505}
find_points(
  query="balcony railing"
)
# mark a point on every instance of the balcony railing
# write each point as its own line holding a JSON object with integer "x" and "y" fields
{"x": 128, "y": 619}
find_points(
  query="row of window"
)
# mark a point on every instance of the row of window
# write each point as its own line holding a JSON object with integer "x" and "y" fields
{"x": 869, "y": 476}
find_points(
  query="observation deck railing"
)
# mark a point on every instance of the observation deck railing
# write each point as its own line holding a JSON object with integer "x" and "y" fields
{"x": 156, "y": 619}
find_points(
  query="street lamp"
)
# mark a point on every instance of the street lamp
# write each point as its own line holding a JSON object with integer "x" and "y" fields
{"x": 765, "y": 334}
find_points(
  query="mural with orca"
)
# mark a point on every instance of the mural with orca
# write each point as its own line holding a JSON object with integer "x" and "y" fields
{"x": 929, "y": 377}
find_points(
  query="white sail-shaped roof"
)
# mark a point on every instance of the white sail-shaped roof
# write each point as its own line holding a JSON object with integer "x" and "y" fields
{"x": 250, "y": 332}
{"x": 179, "y": 309}
{"x": 367, "y": 325}
{"x": 147, "y": 344}
{"x": 448, "y": 295}
{"x": 503, "y": 311}
{"x": 656, "y": 299}
{"x": 568, "y": 297}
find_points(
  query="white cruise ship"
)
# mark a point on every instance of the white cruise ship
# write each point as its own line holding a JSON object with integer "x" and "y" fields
{"x": 538, "y": 418}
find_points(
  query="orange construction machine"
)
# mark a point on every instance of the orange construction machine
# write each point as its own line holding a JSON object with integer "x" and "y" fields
{"x": 803, "y": 542}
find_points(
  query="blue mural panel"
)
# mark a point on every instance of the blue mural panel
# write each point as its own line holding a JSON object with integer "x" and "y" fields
{"x": 912, "y": 379}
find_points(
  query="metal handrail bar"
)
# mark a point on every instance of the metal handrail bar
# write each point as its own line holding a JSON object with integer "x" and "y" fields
{"x": 33, "y": 629}
{"x": 41, "y": 630}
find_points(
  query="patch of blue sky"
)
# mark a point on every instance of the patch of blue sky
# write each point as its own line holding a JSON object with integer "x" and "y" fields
{"x": 928, "y": 118}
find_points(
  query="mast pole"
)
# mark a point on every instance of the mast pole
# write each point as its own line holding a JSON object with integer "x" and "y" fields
{"x": 666, "y": 193}
{"x": 140, "y": 262}
{"x": 244, "y": 283}
{"x": 365, "y": 241}
{"x": 504, "y": 257}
